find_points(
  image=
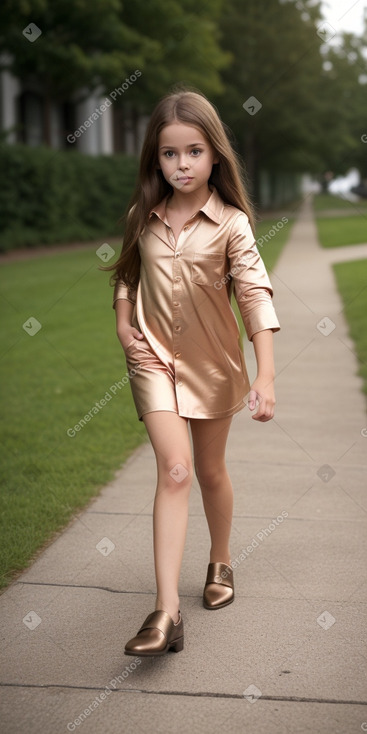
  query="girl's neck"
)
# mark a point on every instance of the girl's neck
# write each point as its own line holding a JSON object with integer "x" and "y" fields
{"x": 183, "y": 203}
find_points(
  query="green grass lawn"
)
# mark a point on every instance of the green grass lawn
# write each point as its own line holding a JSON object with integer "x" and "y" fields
{"x": 351, "y": 279}
{"x": 330, "y": 201}
{"x": 350, "y": 229}
{"x": 49, "y": 382}
{"x": 271, "y": 250}
{"x": 340, "y": 231}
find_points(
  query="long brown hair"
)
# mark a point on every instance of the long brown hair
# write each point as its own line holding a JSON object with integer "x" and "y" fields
{"x": 191, "y": 108}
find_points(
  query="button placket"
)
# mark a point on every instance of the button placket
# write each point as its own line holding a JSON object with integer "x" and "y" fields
{"x": 176, "y": 303}
{"x": 177, "y": 300}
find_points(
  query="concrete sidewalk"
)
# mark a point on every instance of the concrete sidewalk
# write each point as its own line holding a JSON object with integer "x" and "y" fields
{"x": 289, "y": 654}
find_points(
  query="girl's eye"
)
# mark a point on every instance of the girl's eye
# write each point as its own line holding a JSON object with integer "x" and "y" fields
{"x": 170, "y": 153}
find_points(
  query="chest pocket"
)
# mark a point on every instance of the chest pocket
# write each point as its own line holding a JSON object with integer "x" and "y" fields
{"x": 207, "y": 269}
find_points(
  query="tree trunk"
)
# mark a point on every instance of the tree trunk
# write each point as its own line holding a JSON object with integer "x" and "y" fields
{"x": 135, "y": 128}
{"x": 251, "y": 158}
{"x": 47, "y": 120}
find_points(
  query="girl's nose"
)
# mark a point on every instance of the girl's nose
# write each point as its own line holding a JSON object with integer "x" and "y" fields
{"x": 182, "y": 162}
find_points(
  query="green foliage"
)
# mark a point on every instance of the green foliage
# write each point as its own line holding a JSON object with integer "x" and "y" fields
{"x": 313, "y": 104}
{"x": 276, "y": 59}
{"x": 342, "y": 126}
{"x": 189, "y": 40}
{"x": 97, "y": 44}
{"x": 313, "y": 99}
{"x": 83, "y": 44}
{"x": 48, "y": 197}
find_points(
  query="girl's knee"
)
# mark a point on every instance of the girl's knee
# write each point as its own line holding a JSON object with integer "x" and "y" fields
{"x": 176, "y": 472}
{"x": 211, "y": 474}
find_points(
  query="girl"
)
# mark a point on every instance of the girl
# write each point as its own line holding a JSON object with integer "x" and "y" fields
{"x": 188, "y": 243}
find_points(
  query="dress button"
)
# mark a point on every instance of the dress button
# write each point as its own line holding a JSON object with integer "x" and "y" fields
{"x": 177, "y": 254}
{"x": 177, "y": 278}
{"x": 177, "y": 354}
{"x": 180, "y": 383}
{"x": 177, "y": 328}
{"x": 176, "y": 303}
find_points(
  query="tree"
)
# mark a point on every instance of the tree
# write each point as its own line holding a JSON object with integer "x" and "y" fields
{"x": 276, "y": 60}
{"x": 342, "y": 89}
{"x": 84, "y": 45}
{"x": 94, "y": 44}
{"x": 188, "y": 37}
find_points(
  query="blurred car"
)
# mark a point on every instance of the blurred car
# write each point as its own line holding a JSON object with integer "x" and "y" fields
{"x": 360, "y": 190}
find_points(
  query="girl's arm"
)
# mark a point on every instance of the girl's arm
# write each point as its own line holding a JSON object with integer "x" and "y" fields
{"x": 125, "y": 331}
{"x": 262, "y": 389}
{"x": 253, "y": 292}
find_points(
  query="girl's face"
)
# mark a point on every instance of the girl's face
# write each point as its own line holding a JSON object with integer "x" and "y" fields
{"x": 185, "y": 156}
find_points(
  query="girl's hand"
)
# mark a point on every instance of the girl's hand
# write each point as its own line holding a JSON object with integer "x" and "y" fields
{"x": 127, "y": 334}
{"x": 262, "y": 389}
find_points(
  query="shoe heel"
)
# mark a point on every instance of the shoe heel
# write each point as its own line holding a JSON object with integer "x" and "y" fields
{"x": 177, "y": 645}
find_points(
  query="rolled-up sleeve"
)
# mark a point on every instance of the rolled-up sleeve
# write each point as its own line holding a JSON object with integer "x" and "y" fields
{"x": 252, "y": 287}
{"x": 122, "y": 291}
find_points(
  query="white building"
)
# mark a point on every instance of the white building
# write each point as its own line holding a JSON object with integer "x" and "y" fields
{"x": 28, "y": 116}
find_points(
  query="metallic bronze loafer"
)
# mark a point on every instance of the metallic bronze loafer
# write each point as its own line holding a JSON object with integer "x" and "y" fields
{"x": 218, "y": 590}
{"x": 157, "y": 635}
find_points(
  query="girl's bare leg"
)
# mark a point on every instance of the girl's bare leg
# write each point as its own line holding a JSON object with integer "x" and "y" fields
{"x": 209, "y": 442}
{"x": 169, "y": 435}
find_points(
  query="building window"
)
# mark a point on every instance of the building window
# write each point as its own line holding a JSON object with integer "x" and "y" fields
{"x": 31, "y": 118}
{"x": 68, "y": 118}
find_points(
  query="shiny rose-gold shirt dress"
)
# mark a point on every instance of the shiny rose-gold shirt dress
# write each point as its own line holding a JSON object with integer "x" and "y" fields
{"x": 190, "y": 360}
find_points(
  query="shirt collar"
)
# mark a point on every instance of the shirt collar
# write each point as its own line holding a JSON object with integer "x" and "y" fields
{"x": 213, "y": 208}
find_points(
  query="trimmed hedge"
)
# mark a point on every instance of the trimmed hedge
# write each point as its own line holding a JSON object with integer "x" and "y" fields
{"x": 49, "y": 197}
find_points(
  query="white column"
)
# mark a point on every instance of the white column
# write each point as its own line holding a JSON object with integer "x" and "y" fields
{"x": 10, "y": 89}
{"x": 105, "y": 124}
{"x": 88, "y": 138}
